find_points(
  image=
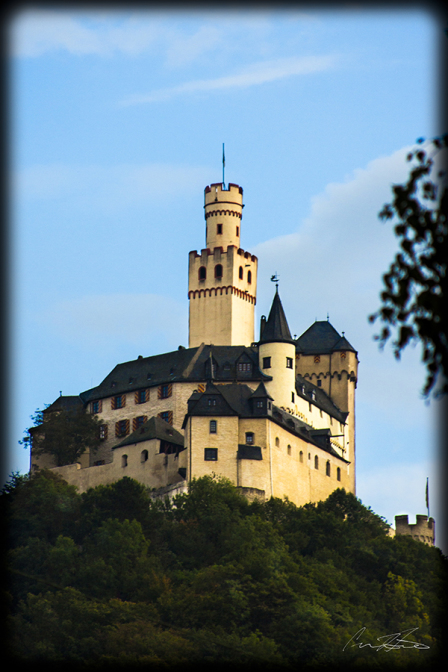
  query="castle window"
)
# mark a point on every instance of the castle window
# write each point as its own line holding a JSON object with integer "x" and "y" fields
{"x": 141, "y": 396}
{"x": 244, "y": 366}
{"x": 249, "y": 438}
{"x": 167, "y": 416}
{"x": 240, "y": 273}
{"x": 301, "y": 456}
{"x": 210, "y": 454}
{"x": 277, "y": 441}
{"x": 338, "y": 473}
{"x": 319, "y": 383}
{"x": 96, "y": 407}
{"x": 202, "y": 273}
{"x": 124, "y": 460}
{"x": 118, "y": 402}
{"x": 260, "y": 403}
{"x": 144, "y": 456}
{"x": 138, "y": 422}
{"x": 289, "y": 362}
{"x": 213, "y": 426}
{"x": 327, "y": 468}
{"x": 237, "y": 231}
{"x": 219, "y": 229}
{"x": 316, "y": 462}
{"x": 292, "y": 397}
{"x": 212, "y": 402}
{"x": 165, "y": 391}
{"x": 317, "y": 359}
{"x": 269, "y": 405}
{"x": 249, "y": 277}
{"x": 218, "y": 271}
{"x": 289, "y": 449}
{"x": 103, "y": 432}
{"x": 122, "y": 428}
{"x": 266, "y": 362}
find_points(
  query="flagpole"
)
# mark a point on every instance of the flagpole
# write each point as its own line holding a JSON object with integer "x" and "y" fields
{"x": 427, "y": 495}
{"x": 223, "y": 166}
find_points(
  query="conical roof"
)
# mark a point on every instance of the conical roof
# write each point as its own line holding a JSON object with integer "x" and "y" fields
{"x": 322, "y": 338}
{"x": 276, "y": 327}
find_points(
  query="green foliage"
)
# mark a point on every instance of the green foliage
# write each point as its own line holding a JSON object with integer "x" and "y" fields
{"x": 65, "y": 435}
{"x": 415, "y": 287}
{"x": 111, "y": 578}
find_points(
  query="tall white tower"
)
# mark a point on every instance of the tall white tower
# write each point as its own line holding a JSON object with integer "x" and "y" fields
{"x": 222, "y": 279}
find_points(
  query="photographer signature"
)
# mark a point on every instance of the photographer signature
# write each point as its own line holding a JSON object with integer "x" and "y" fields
{"x": 395, "y": 641}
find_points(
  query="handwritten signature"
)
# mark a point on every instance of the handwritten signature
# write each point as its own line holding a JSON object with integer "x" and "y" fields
{"x": 395, "y": 641}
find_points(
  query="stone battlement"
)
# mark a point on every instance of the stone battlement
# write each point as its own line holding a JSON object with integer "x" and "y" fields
{"x": 423, "y": 530}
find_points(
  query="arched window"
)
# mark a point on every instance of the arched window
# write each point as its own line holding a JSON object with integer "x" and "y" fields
{"x": 301, "y": 456}
{"x": 316, "y": 462}
{"x": 277, "y": 441}
{"x": 289, "y": 449}
{"x": 338, "y": 473}
{"x": 240, "y": 273}
{"x": 202, "y": 273}
{"x": 249, "y": 277}
{"x": 144, "y": 456}
{"x": 327, "y": 468}
{"x": 218, "y": 271}
{"x": 124, "y": 460}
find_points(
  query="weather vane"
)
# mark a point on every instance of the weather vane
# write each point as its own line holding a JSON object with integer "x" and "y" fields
{"x": 275, "y": 278}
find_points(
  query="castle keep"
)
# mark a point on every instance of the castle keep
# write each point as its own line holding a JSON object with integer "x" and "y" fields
{"x": 275, "y": 415}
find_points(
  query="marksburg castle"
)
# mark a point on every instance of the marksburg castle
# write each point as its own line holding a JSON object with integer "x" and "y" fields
{"x": 275, "y": 415}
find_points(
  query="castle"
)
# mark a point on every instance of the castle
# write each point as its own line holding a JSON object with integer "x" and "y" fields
{"x": 276, "y": 416}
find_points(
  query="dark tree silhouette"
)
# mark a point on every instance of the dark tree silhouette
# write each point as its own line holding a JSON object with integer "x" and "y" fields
{"x": 413, "y": 300}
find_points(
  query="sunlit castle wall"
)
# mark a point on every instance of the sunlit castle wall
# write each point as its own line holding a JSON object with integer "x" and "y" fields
{"x": 222, "y": 279}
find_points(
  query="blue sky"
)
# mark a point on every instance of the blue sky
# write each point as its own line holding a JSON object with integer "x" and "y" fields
{"x": 117, "y": 125}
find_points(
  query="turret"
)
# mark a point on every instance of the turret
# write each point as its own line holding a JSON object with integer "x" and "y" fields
{"x": 223, "y": 211}
{"x": 276, "y": 352}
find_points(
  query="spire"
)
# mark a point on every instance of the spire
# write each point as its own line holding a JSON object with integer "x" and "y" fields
{"x": 276, "y": 327}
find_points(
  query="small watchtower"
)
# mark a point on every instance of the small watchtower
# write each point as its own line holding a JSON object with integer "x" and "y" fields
{"x": 222, "y": 279}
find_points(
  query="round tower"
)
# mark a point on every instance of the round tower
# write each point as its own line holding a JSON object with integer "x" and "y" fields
{"x": 223, "y": 211}
{"x": 222, "y": 279}
{"x": 276, "y": 352}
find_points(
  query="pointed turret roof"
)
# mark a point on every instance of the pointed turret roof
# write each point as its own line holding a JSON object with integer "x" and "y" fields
{"x": 276, "y": 327}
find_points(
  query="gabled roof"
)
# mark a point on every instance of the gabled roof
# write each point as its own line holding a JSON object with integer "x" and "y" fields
{"x": 261, "y": 392}
{"x": 154, "y": 428}
{"x": 320, "y": 339}
{"x": 183, "y": 365}
{"x": 276, "y": 328}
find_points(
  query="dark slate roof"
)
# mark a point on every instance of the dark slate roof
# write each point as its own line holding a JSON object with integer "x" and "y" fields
{"x": 184, "y": 365}
{"x": 276, "y": 327}
{"x": 68, "y": 403}
{"x": 154, "y": 428}
{"x": 261, "y": 392}
{"x": 306, "y": 389}
{"x": 321, "y": 339}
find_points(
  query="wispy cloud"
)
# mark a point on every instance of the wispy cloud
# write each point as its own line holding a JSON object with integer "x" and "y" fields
{"x": 37, "y": 32}
{"x": 252, "y": 75}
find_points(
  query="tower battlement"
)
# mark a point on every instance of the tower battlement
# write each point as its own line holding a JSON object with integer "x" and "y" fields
{"x": 423, "y": 530}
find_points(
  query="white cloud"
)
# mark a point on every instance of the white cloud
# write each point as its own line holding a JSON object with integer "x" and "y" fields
{"x": 37, "y": 32}
{"x": 252, "y": 75}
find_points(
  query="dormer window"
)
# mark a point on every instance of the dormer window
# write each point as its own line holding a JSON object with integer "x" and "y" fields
{"x": 212, "y": 402}
{"x": 244, "y": 366}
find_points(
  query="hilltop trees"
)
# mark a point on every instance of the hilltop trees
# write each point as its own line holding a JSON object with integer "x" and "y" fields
{"x": 111, "y": 577}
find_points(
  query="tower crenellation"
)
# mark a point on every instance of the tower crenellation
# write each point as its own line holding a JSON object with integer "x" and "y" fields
{"x": 222, "y": 281}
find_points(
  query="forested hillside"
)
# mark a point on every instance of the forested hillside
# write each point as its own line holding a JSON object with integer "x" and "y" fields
{"x": 109, "y": 577}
